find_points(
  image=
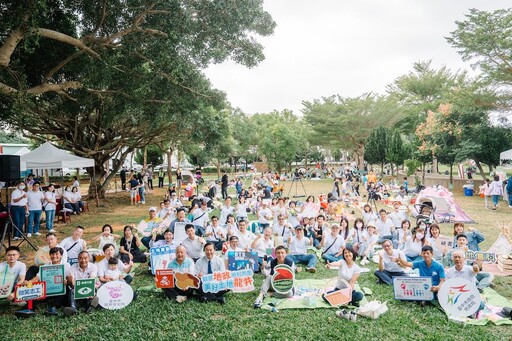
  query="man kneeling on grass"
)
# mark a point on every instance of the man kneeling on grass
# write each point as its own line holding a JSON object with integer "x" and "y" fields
{"x": 298, "y": 250}
{"x": 266, "y": 286}
{"x": 428, "y": 268}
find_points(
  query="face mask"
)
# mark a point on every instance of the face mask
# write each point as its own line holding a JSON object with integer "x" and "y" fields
{"x": 419, "y": 235}
{"x": 21, "y": 187}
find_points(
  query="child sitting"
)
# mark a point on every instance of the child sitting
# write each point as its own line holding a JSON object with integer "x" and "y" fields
{"x": 113, "y": 273}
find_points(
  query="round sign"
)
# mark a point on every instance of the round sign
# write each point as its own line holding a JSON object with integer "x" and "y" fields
{"x": 115, "y": 295}
{"x": 283, "y": 279}
{"x": 459, "y": 297}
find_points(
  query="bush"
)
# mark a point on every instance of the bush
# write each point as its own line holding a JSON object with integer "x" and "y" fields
{"x": 412, "y": 166}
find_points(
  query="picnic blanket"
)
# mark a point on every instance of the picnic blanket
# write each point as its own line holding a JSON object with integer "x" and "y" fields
{"x": 308, "y": 295}
{"x": 494, "y": 303}
{"x": 493, "y": 268}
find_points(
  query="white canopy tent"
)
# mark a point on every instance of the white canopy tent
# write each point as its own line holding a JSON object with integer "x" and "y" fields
{"x": 47, "y": 156}
{"x": 506, "y": 155}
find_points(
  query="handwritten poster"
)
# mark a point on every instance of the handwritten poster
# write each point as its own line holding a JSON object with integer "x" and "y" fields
{"x": 161, "y": 257}
{"x": 179, "y": 232}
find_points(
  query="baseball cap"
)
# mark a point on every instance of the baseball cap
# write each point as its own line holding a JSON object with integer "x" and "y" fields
{"x": 152, "y": 208}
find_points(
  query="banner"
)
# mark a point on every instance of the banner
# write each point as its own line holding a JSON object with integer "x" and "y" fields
{"x": 31, "y": 291}
{"x": 6, "y": 282}
{"x": 85, "y": 288}
{"x": 236, "y": 281}
{"x": 413, "y": 288}
{"x": 283, "y": 279}
{"x": 179, "y": 232}
{"x": 53, "y": 276}
{"x": 115, "y": 295}
{"x": 240, "y": 260}
{"x": 459, "y": 297}
{"x": 164, "y": 278}
{"x": 483, "y": 256}
{"x": 161, "y": 257}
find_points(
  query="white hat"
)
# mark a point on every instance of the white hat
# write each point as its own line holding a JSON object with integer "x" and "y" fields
{"x": 152, "y": 208}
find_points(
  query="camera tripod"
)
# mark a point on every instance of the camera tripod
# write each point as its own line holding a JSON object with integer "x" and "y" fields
{"x": 371, "y": 201}
{"x": 296, "y": 180}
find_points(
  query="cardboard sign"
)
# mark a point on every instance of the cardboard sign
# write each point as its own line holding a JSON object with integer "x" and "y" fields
{"x": 444, "y": 241}
{"x": 283, "y": 279}
{"x": 483, "y": 256}
{"x": 29, "y": 292}
{"x": 6, "y": 282}
{"x": 185, "y": 281}
{"x": 240, "y": 260}
{"x": 179, "y": 232}
{"x": 413, "y": 288}
{"x": 339, "y": 297}
{"x": 164, "y": 278}
{"x": 145, "y": 228}
{"x": 53, "y": 276}
{"x": 236, "y": 281}
{"x": 115, "y": 295}
{"x": 161, "y": 257}
{"x": 85, "y": 288}
{"x": 459, "y": 297}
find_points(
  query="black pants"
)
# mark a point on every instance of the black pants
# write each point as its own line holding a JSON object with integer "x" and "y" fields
{"x": 224, "y": 192}
{"x": 123, "y": 184}
{"x": 138, "y": 257}
{"x": 150, "y": 183}
{"x": 172, "y": 293}
{"x": 160, "y": 182}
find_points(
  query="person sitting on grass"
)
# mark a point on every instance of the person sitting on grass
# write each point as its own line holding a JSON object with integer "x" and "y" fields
{"x": 207, "y": 265}
{"x": 182, "y": 264}
{"x": 414, "y": 243}
{"x": 269, "y": 272}
{"x": 84, "y": 270}
{"x": 109, "y": 251}
{"x": 13, "y": 267}
{"x": 473, "y": 236}
{"x": 129, "y": 250}
{"x": 333, "y": 244}
{"x": 74, "y": 244}
{"x": 263, "y": 246}
{"x": 215, "y": 233}
{"x": 245, "y": 237}
{"x": 152, "y": 227}
{"x": 348, "y": 271}
{"x": 370, "y": 238}
{"x": 428, "y": 268}
{"x": 298, "y": 250}
{"x": 388, "y": 267}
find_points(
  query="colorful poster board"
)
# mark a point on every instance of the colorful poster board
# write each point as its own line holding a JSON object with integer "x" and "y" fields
{"x": 164, "y": 278}
{"x": 115, "y": 295}
{"x": 185, "y": 281}
{"x": 413, "y": 288}
{"x": 161, "y": 257}
{"x": 339, "y": 297}
{"x": 85, "y": 288}
{"x": 240, "y": 260}
{"x": 53, "y": 276}
{"x": 236, "y": 281}
{"x": 29, "y": 292}
{"x": 459, "y": 297}
{"x": 488, "y": 257}
{"x": 6, "y": 282}
{"x": 283, "y": 279}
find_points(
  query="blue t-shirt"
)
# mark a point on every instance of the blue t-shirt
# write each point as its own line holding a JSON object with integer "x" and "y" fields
{"x": 436, "y": 270}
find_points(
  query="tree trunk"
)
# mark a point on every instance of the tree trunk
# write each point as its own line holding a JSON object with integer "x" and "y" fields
{"x": 145, "y": 157}
{"x": 480, "y": 169}
{"x": 382, "y": 169}
{"x": 359, "y": 156}
{"x": 435, "y": 168}
{"x": 169, "y": 152}
{"x": 490, "y": 169}
{"x": 451, "y": 176}
{"x": 423, "y": 173}
{"x": 218, "y": 169}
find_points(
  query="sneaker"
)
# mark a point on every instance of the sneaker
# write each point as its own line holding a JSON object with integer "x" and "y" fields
{"x": 181, "y": 298}
{"x": 95, "y": 301}
{"x": 52, "y": 311}
{"x": 343, "y": 314}
{"x": 68, "y": 311}
{"x": 29, "y": 235}
{"x": 19, "y": 304}
{"x": 298, "y": 269}
{"x": 52, "y": 231}
{"x": 257, "y": 304}
{"x": 353, "y": 316}
{"x": 17, "y": 238}
{"x": 312, "y": 270}
{"x": 37, "y": 234}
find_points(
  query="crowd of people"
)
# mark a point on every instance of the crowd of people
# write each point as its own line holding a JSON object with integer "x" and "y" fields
{"x": 301, "y": 234}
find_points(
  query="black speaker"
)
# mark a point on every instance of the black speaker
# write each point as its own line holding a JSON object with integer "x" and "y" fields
{"x": 9, "y": 167}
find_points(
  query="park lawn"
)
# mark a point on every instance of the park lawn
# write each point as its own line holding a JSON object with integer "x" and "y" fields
{"x": 153, "y": 316}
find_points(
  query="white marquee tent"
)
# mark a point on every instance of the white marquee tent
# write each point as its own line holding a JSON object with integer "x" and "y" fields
{"x": 47, "y": 156}
{"x": 506, "y": 155}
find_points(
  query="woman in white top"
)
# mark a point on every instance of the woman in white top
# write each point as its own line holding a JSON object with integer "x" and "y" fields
{"x": 225, "y": 210}
{"x": 399, "y": 235}
{"x": 439, "y": 252}
{"x": 35, "y": 198}
{"x": 370, "y": 238}
{"x": 413, "y": 245}
{"x": 241, "y": 209}
{"x": 106, "y": 237}
{"x": 349, "y": 271}
{"x": 19, "y": 208}
{"x": 293, "y": 214}
{"x": 230, "y": 225}
{"x": 496, "y": 191}
{"x": 50, "y": 205}
{"x": 75, "y": 182}
{"x": 369, "y": 217}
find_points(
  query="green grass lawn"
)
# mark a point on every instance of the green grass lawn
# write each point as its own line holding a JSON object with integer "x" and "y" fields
{"x": 152, "y": 316}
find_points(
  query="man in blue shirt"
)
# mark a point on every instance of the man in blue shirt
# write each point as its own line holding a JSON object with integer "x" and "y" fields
{"x": 428, "y": 267}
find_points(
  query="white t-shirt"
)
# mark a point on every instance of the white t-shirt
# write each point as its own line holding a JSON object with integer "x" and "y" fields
{"x": 241, "y": 210}
{"x": 74, "y": 250}
{"x": 282, "y": 231}
{"x": 219, "y": 233}
{"x": 50, "y": 196}
{"x": 200, "y": 217}
{"x": 262, "y": 213}
{"x": 397, "y": 218}
{"x": 224, "y": 212}
{"x": 103, "y": 267}
{"x": 16, "y": 194}
{"x": 299, "y": 247}
{"x": 277, "y": 210}
{"x": 391, "y": 265}
{"x": 346, "y": 273}
{"x": 262, "y": 245}
{"x": 19, "y": 269}
{"x": 244, "y": 239}
{"x": 466, "y": 272}
{"x": 35, "y": 200}
{"x": 412, "y": 247}
{"x": 338, "y": 241}
{"x": 384, "y": 227}
{"x": 194, "y": 247}
{"x": 113, "y": 273}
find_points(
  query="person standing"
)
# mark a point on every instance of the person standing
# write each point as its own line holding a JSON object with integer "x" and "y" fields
{"x": 161, "y": 175}
{"x": 150, "y": 178}
{"x": 19, "y": 208}
{"x": 224, "y": 185}
{"x": 496, "y": 191}
{"x": 35, "y": 198}
{"x": 508, "y": 188}
{"x": 50, "y": 206}
{"x": 122, "y": 174}
{"x": 179, "y": 180}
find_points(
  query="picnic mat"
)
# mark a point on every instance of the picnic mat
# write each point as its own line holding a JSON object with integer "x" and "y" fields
{"x": 494, "y": 303}
{"x": 308, "y": 295}
{"x": 493, "y": 268}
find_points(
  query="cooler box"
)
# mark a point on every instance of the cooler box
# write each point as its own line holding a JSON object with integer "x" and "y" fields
{"x": 468, "y": 191}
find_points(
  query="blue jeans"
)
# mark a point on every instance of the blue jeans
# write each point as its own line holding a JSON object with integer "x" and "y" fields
{"x": 331, "y": 258}
{"x": 495, "y": 200}
{"x": 34, "y": 220}
{"x": 50, "y": 216}
{"x": 509, "y": 198}
{"x": 383, "y": 238}
{"x": 141, "y": 193}
{"x": 199, "y": 230}
{"x": 310, "y": 260}
{"x": 483, "y": 280}
{"x": 387, "y": 276}
{"x": 18, "y": 218}
{"x": 73, "y": 206}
